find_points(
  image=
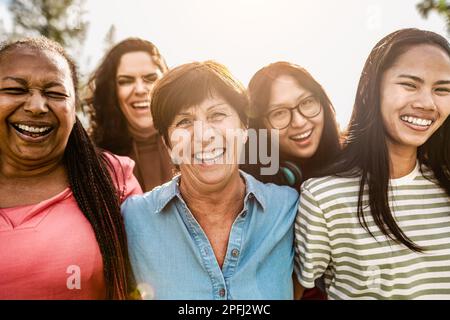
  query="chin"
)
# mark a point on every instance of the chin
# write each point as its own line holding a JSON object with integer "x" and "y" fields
{"x": 305, "y": 154}
{"x": 413, "y": 141}
{"x": 213, "y": 176}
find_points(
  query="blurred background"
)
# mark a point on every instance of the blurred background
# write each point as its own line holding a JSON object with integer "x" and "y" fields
{"x": 330, "y": 38}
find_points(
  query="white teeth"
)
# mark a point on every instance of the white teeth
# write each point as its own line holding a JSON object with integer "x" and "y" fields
{"x": 209, "y": 156}
{"x": 303, "y": 135}
{"x": 32, "y": 129}
{"x": 143, "y": 104}
{"x": 417, "y": 121}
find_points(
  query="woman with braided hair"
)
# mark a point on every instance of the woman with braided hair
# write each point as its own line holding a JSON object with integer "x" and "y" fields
{"x": 61, "y": 231}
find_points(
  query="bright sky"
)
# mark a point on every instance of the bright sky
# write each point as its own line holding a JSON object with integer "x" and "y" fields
{"x": 330, "y": 38}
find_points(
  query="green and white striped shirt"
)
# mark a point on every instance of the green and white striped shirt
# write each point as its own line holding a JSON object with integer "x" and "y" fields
{"x": 330, "y": 240}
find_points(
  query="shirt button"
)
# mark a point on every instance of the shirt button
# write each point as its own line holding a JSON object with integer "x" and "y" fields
{"x": 235, "y": 252}
{"x": 222, "y": 292}
{"x": 244, "y": 213}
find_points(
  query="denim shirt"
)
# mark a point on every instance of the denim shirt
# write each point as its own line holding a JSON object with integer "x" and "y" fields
{"x": 172, "y": 257}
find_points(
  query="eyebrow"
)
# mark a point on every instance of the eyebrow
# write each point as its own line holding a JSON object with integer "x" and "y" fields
{"x": 415, "y": 78}
{"x": 24, "y": 82}
{"x": 53, "y": 84}
{"x": 19, "y": 80}
{"x": 420, "y": 80}
{"x": 186, "y": 113}
{"x": 216, "y": 105}
{"x": 443, "y": 82}
{"x": 303, "y": 96}
{"x": 132, "y": 77}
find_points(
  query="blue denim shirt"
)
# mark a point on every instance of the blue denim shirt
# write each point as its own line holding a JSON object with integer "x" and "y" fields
{"x": 170, "y": 252}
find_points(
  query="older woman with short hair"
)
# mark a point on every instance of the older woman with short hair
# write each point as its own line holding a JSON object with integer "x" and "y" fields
{"x": 213, "y": 232}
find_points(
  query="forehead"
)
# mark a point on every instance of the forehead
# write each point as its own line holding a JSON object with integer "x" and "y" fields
{"x": 285, "y": 89}
{"x": 35, "y": 65}
{"x": 138, "y": 62}
{"x": 423, "y": 60}
{"x": 207, "y": 104}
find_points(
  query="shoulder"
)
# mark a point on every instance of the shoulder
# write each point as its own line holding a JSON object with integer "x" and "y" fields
{"x": 151, "y": 202}
{"x": 119, "y": 163}
{"x": 268, "y": 188}
{"x": 324, "y": 184}
{"x": 121, "y": 170}
{"x": 273, "y": 198}
{"x": 329, "y": 190}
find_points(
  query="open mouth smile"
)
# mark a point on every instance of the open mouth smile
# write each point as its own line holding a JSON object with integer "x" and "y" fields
{"x": 302, "y": 136}
{"x": 420, "y": 123}
{"x": 33, "y": 132}
{"x": 141, "y": 105}
{"x": 210, "y": 157}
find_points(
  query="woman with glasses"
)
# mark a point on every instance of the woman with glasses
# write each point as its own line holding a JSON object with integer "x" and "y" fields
{"x": 120, "y": 105}
{"x": 286, "y": 98}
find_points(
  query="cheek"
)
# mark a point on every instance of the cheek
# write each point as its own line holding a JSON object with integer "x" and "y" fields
{"x": 8, "y": 106}
{"x": 284, "y": 140}
{"x": 122, "y": 95}
{"x": 180, "y": 145}
{"x": 318, "y": 123}
{"x": 444, "y": 107}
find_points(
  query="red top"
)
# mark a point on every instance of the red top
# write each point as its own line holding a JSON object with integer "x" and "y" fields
{"x": 49, "y": 250}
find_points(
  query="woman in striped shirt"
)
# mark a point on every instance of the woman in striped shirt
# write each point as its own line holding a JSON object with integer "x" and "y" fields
{"x": 378, "y": 227}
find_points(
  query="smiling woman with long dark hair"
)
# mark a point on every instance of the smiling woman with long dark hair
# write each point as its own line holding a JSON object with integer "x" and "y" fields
{"x": 378, "y": 227}
{"x": 120, "y": 107}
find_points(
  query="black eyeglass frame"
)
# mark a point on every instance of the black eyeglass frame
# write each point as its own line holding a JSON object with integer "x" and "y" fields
{"x": 291, "y": 110}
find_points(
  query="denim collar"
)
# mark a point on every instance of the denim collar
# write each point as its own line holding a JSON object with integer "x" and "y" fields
{"x": 171, "y": 190}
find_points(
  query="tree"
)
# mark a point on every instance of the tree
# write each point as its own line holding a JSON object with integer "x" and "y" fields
{"x": 59, "y": 20}
{"x": 110, "y": 38}
{"x": 3, "y": 33}
{"x": 439, "y": 6}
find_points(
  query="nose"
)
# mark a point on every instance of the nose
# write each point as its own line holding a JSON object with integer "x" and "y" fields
{"x": 36, "y": 104}
{"x": 297, "y": 120}
{"x": 203, "y": 132}
{"x": 141, "y": 87}
{"x": 425, "y": 101}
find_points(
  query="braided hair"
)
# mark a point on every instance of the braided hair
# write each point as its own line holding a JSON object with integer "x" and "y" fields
{"x": 89, "y": 172}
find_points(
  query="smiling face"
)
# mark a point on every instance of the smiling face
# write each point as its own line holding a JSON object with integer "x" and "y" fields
{"x": 136, "y": 75}
{"x": 415, "y": 96}
{"x": 37, "y": 105}
{"x": 302, "y": 137}
{"x": 208, "y": 139}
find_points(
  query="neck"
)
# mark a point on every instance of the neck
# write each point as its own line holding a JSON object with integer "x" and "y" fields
{"x": 13, "y": 169}
{"x": 141, "y": 134}
{"x": 402, "y": 160}
{"x": 213, "y": 205}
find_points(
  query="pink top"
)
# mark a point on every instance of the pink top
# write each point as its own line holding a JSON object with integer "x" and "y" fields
{"x": 49, "y": 250}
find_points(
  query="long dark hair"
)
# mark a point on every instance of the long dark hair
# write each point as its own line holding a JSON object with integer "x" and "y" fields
{"x": 365, "y": 150}
{"x": 89, "y": 173}
{"x": 259, "y": 90}
{"x": 109, "y": 126}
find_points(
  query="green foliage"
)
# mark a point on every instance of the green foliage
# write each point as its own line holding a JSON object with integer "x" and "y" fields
{"x": 439, "y": 6}
{"x": 59, "y": 20}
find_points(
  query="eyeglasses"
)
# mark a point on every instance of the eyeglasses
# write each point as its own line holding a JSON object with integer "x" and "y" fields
{"x": 281, "y": 118}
